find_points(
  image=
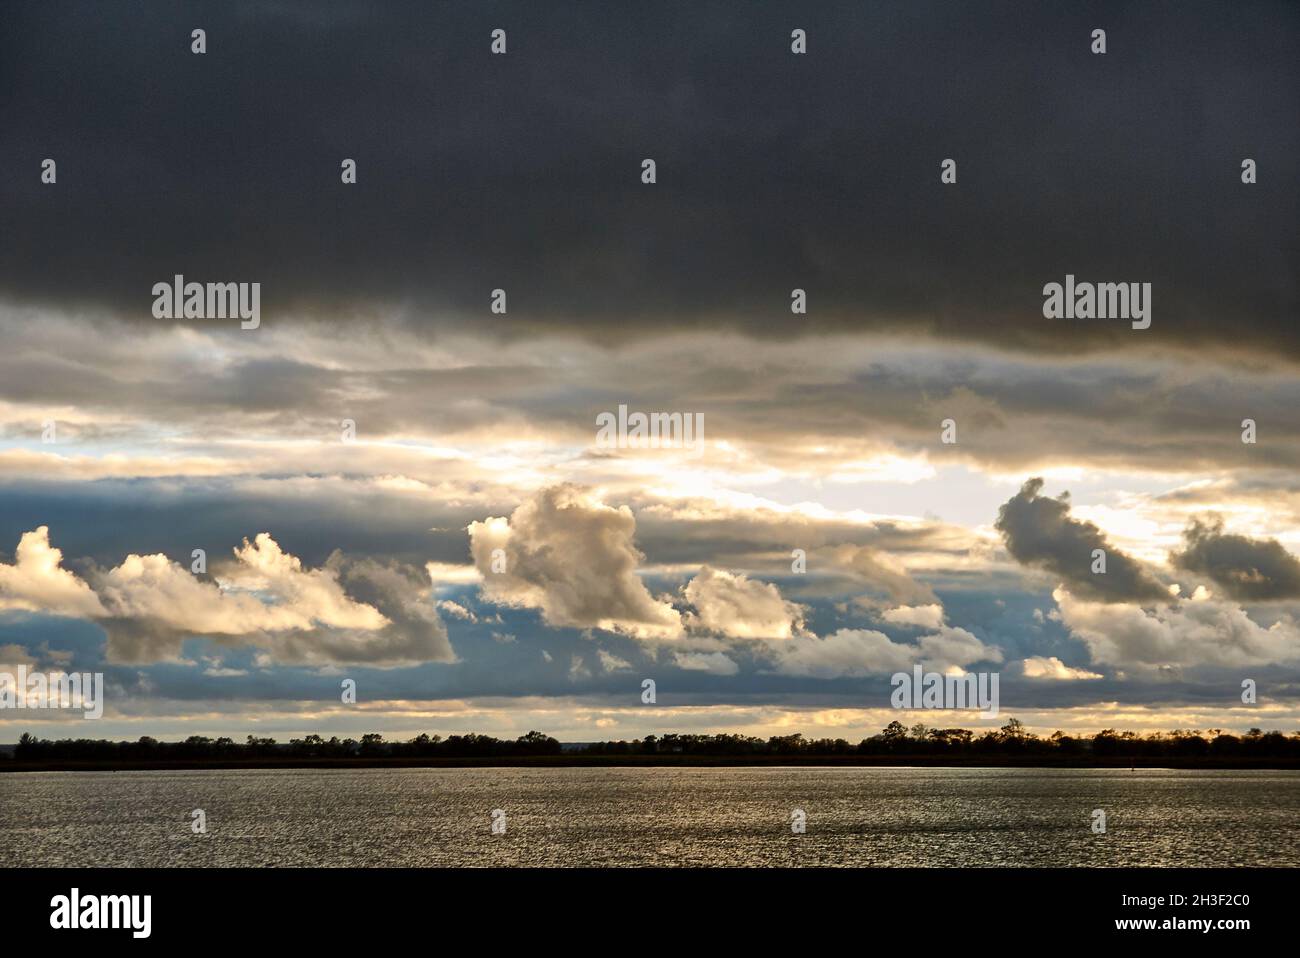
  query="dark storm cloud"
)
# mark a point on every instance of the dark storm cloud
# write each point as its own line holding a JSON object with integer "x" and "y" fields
{"x": 1252, "y": 570}
{"x": 1040, "y": 532}
{"x": 775, "y": 171}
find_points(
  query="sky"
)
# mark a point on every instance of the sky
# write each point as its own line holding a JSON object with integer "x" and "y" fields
{"x": 399, "y": 477}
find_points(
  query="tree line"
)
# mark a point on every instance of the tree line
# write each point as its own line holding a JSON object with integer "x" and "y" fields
{"x": 895, "y": 739}
{"x": 1011, "y": 739}
{"x": 30, "y": 748}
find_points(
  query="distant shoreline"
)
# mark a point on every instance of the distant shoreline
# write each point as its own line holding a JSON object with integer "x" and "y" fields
{"x": 652, "y": 761}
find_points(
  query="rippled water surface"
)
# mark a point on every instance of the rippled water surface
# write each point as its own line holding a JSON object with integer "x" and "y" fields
{"x": 652, "y": 816}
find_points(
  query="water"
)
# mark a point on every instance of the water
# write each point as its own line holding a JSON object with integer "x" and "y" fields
{"x": 651, "y": 816}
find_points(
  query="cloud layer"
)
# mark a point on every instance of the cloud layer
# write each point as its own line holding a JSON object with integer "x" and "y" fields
{"x": 148, "y": 605}
{"x": 571, "y": 556}
{"x": 1248, "y": 569}
{"x": 1040, "y": 531}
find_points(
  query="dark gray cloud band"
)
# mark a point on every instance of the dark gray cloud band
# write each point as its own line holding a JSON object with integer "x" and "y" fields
{"x": 775, "y": 171}
{"x": 1251, "y": 570}
{"x": 1039, "y": 531}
